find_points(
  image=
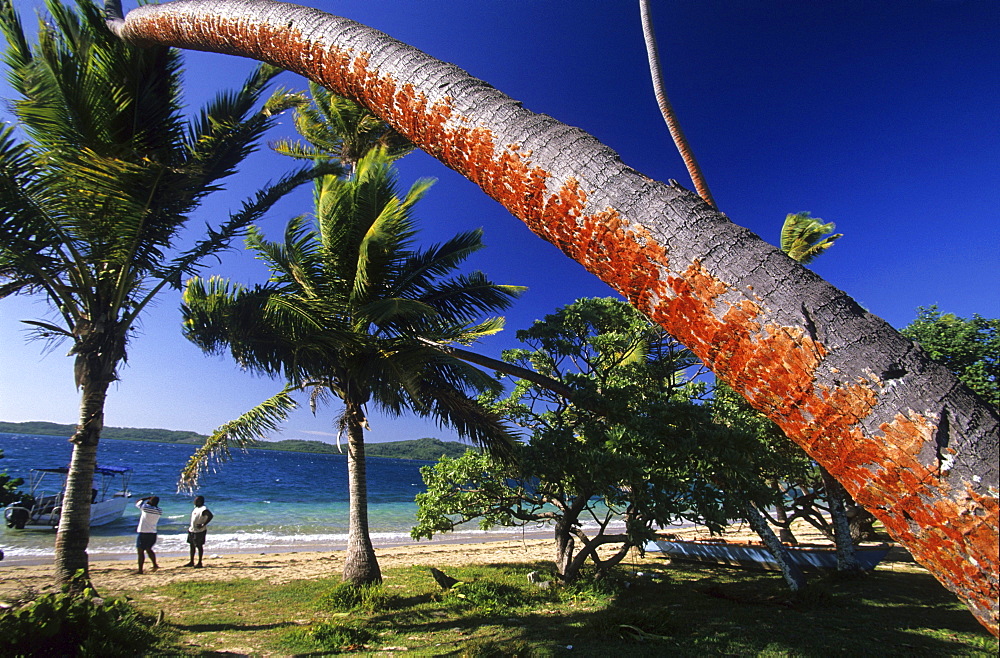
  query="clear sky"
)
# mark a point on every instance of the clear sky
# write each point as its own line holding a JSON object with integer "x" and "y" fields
{"x": 879, "y": 116}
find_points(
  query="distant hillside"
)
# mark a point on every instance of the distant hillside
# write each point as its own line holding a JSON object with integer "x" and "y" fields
{"x": 424, "y": 449}
{"x": 125, "y": 433}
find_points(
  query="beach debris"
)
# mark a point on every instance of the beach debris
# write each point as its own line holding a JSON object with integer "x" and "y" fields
{"x": 443, "y": 579}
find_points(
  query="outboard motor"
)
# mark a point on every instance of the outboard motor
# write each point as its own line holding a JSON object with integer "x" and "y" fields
{"x": 16, "y": 517}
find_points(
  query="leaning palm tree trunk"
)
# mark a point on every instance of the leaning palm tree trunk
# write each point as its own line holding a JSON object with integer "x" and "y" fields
{"x": 859, "y": 397}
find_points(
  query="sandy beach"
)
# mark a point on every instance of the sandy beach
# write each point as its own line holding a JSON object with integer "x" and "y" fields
{"x": 113, "y": 576}
{"x": 118, "y": 575}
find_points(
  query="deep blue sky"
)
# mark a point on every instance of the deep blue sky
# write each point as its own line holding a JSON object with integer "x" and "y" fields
{"x": 881, "y": 117}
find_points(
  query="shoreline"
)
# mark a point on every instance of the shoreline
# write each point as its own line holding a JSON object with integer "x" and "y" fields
{"x": 308, "y": 546}
{"x": 116, "y": 574}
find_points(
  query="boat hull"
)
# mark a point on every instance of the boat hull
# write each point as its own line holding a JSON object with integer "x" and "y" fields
{"x": 101, "y": 513}
{"x": 756, "y": 556}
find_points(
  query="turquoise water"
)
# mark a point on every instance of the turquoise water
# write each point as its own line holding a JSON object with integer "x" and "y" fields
{"x": 262, "y": 499}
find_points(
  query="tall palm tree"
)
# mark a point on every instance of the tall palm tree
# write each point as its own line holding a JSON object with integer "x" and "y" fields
{"x": 346, "y": 313}
{"x": 94, "y": 199}
{"x": 873, "y": 411}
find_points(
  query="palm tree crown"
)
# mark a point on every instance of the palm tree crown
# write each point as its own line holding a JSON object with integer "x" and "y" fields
{"x": 802, "y": 236}
{"x": 348, "y": 299}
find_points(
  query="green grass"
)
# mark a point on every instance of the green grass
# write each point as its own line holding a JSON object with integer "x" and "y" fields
{"x": 670, "y": 610}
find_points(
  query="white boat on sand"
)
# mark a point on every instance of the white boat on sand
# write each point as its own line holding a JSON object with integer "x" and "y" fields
{"x": 41, "y": 509}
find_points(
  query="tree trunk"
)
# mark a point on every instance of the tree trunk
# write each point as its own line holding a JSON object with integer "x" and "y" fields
{"x": 564, "y": 551}
{"x": 360, "y": 564}
{"x": 847, "y": 560}
{"x": 789, "y": 570}
{"x": 905, "y": 438}
{"x": 785, "y": 533}
{"x": 94, "y": 374}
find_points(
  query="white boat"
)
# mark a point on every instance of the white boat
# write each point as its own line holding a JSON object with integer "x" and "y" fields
{"x": 40, "y": 510}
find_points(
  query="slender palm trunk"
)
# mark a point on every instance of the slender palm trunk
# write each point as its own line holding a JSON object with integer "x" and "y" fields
{"x": 360, "y": 564}
{"x": 73, "y": 536}
{"x": 840, "y": 382}
{"x": 667, "y": 110}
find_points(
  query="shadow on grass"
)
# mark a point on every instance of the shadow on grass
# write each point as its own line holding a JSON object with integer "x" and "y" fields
{"x": 699, "y": 610}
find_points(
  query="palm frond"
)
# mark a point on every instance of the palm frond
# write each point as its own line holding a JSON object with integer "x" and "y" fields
{"x": 227, "y": 129}
{"x": 241, "y": 433}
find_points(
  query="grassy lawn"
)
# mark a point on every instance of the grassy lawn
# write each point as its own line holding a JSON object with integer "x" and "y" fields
{"x": 650, "y": 609}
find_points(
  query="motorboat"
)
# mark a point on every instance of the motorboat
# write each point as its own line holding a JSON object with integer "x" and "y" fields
{"x": 42, "y": 507}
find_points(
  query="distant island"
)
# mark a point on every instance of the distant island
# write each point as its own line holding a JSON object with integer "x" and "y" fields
{"x": 426, "y": 449}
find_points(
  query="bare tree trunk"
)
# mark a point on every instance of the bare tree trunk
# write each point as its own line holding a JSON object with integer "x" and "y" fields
{"x": 360, "y": 564}
{"x": 861, "y": 399}
{"x": 789, "y": 570}
{"x": 847, "y": 560}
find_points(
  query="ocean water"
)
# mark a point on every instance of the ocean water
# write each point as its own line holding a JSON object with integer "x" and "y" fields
{"x": 262, "y": 499}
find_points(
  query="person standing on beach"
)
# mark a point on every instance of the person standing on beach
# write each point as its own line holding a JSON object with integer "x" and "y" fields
{"x": 197, "y": 531}
{"x": 148, "y": 518}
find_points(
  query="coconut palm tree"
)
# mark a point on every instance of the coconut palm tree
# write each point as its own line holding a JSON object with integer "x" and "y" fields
{"x": 839, "y": 381}
{"x": 94, "y": 198}
{"x": 346, "y": 313}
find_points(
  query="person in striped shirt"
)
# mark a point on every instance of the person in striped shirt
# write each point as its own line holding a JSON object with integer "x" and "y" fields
{"x": 148, "y": 518}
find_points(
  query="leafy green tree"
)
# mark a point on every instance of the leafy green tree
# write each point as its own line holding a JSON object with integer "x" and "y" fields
{"x": 94, "y": 200}
{"x": 641, "y": 453}
{"x": 344, "y": 314}
{"x": 968, "y": 347}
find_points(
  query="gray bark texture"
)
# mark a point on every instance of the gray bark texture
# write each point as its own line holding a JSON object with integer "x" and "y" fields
{"x": 902, "y": 435}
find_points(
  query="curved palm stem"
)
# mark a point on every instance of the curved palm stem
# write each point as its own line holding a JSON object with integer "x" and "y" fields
{"x": 667, "y": 110}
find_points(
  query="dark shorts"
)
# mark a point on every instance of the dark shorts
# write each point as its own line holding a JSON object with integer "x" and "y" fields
{"x": 197, "y": 538}
{"x": 145, "y": 540}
